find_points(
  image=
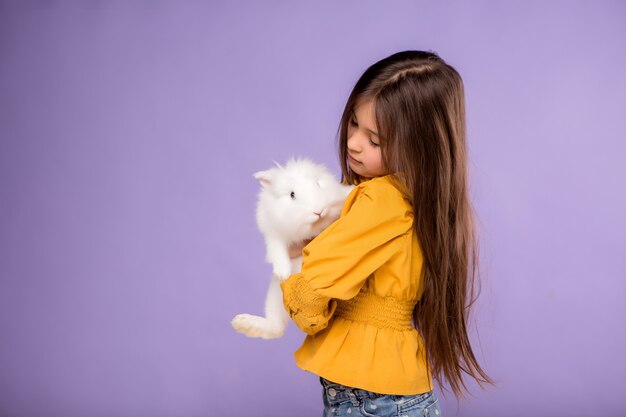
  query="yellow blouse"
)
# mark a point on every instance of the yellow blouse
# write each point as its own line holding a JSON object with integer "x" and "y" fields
{"x": 360, "y": 280}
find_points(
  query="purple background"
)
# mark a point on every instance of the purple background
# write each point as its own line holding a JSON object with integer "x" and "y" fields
{"x": 129, "y": 135}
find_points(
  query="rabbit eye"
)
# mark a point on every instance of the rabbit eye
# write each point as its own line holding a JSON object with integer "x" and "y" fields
{"x": 292, "y": 195}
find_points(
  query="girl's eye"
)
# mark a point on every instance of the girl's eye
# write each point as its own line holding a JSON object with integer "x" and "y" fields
{"x": 353, "y": 122}
{"x": 292, "y": 195}
{"x": 374, "y": 144}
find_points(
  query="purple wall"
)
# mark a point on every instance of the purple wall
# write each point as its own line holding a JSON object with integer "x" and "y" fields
{"x": 129, "y": 132}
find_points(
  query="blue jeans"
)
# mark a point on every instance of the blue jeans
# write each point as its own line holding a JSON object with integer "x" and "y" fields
{"x": 343, "y": 401}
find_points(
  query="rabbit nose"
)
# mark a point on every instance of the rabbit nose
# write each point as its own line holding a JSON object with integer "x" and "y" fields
{"x": 320, "y": 213}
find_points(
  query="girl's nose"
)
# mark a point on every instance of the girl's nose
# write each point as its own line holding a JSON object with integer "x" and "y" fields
{"x": 353, "y": 143}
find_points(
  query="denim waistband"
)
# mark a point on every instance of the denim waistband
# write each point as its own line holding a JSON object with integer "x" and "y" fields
{"x": 337, "y": 395}
{"x": 337, "y": 392}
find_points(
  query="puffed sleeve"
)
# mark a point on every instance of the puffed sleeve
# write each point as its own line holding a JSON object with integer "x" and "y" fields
{"x": 336, "y": 264}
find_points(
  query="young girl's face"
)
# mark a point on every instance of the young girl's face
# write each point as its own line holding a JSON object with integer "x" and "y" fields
{"x": 364, "y": 155}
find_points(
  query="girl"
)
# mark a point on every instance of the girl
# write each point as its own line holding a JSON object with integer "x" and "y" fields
{"x": 384, "y": 291}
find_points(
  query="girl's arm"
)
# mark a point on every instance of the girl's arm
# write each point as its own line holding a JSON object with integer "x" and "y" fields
{"x": 336, "y": 264}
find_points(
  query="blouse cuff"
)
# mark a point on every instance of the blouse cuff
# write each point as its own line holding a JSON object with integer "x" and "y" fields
{"x": 310, "y": 311}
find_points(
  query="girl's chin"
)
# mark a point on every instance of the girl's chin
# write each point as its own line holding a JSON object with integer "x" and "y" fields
{"x": 360, "y": 172}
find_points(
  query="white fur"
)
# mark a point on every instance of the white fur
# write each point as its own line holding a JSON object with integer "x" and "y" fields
{"x": 284, "y": 220}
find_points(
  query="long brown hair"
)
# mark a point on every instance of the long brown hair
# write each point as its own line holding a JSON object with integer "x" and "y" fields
{"x": 420, "y": 116}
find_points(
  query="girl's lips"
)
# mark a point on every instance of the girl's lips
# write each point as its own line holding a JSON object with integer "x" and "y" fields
{"x": 352, "y": 159}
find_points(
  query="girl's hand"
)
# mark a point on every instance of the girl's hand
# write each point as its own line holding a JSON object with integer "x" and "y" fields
{"x": 295, "y": 249}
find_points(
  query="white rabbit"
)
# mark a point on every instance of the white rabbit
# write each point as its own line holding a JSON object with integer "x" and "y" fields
{"x": 296, "y": 203}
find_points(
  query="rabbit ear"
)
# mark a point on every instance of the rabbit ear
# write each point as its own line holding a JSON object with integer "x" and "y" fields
{"x": 265, "y": 177}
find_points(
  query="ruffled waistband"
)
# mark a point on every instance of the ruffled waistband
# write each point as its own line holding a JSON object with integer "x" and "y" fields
{"x": 371, "y": 308}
